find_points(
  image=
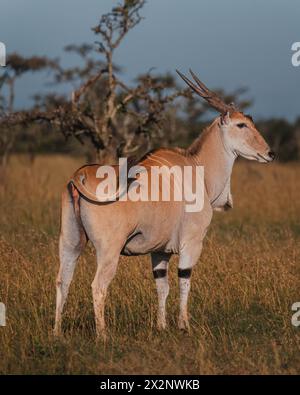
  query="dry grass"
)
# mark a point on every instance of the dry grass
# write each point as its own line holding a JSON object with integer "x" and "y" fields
{"x": 241, "y": 298}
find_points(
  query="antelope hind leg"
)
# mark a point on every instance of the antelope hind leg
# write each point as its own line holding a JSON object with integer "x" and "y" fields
{"x": 106, "y": 269}
{"x": 71, "y": 243}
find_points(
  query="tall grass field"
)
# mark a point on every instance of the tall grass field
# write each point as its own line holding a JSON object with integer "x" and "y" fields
{"x": 243, "y": 287}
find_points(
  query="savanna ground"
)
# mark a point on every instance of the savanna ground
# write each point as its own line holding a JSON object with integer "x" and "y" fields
{"x": 242, "y": 289}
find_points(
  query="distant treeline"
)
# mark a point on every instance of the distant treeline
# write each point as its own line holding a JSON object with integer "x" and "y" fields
{"x": 283, "y": 137}
{"x": 104, "y": 118}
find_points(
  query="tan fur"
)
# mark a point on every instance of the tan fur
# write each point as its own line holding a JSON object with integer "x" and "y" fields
{"x": 161, "y": 228}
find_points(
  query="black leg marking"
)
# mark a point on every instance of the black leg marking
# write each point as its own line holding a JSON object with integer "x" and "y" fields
{"x": 184, "y": 273}
{"x": 159, "y": 273}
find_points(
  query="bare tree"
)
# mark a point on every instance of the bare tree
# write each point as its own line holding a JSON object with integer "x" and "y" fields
{"x": 120, "y": 119}
{"x": 117, "y": 119}
{"x": 16, "y": 67}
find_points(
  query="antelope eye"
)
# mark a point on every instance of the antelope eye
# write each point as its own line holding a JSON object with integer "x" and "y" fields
{"x": 241, "y": 125}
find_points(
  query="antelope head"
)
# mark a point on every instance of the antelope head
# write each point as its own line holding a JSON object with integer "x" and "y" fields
{"x": 239, "y": 133}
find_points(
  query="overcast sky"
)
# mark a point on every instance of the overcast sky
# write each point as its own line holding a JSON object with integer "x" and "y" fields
{"x": 229, "y": 43}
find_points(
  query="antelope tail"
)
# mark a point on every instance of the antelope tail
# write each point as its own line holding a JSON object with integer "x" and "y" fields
{"x": 74, "y": 194}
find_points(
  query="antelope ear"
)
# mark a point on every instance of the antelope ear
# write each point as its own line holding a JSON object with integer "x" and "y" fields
{"x": 225, "y": 118}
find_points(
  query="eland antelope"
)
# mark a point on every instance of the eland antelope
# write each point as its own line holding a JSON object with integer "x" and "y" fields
{"x": 161, "y": 228}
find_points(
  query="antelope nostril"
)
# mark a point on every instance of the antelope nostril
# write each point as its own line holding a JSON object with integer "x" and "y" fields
{"x": 271, "y": 154}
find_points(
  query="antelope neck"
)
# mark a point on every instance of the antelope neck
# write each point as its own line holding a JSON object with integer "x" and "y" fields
{"x": 217, "y": 160}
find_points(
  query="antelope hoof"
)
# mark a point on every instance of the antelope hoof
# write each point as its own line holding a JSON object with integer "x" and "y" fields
{"x": 183, "y": 324}
{"x": 57, "y": 332}
{"x": 161, "y": 325}
{"x": 101, "y": 336}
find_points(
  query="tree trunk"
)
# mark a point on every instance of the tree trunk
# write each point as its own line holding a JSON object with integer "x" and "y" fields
{"x": 107, "y": 157}
{"x": 3, "y": 175}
